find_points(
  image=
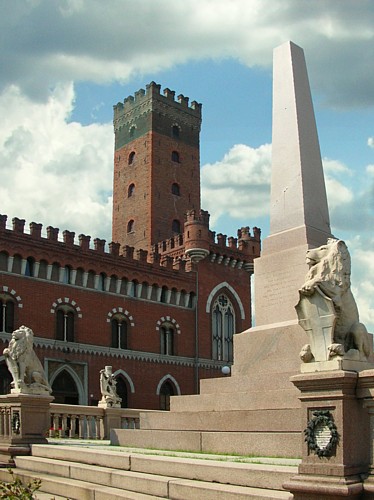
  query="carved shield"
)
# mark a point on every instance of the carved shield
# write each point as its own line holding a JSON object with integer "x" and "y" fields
{"x": 317, "y": 316}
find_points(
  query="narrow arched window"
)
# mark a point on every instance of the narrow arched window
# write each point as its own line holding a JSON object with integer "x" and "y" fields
{"x": 167, "y": 339}
{"x": 6, "y": 314}
{"x": 176, "y": 226}
{"x": 131, "y": 157}
{"x": 30, "y": 266}
{"x": 223, "y": 328}
{"x": 65, "y": 324}
{"x": 175, "y": 156}
{"x": 130, "y": 190}
{"x": 132, "y": 131}
{"x": 67, "y": 275}
{"x": 175, "y": 189}
{"x": 131, "y": 226}
{"x": 175, "y": 131}
{"x": 119, "y": 331}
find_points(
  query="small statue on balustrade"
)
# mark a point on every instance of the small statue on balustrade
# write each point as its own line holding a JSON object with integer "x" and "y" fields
{"x": 108, "y": 387}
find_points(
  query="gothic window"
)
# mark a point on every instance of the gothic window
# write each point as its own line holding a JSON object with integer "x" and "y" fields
{"x": 131, "y": 157}
{"x": 166, "y": 391}
{"x": 175, "y": 189}
{"x": 65, "y": 324}
{"x": 223, "y": 327}
{"x": 175, "y": 131}
{"x": 119, "y": 331}
{"x": 175, "y": 156}
{"x": 176, "y": 226}
{"x": 167, "y": 333}
{"x": 131, "y": 226}
{"x": 131, "y": 190}
{"x": 122, "y": 391}
{"x": 3, "y": 261}
{"x": 6, "y": 314}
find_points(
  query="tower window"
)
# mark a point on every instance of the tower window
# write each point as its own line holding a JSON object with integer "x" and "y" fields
{"x": 131, "y": 226}
{"x": 131, "y": 157}
{"x": 175, "y": 156}
{"x": 132, "y": 131}
{"x": 176, "y": 226}
{"x": 175, "y": 189}
{"x": 175, "y": 131}
{"x": 131, "y": 190}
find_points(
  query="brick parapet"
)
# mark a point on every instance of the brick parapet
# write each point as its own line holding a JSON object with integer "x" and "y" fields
{"x": 119, "y": 261}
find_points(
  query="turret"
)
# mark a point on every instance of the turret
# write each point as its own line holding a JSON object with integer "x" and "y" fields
{"x": 196, "y": 235}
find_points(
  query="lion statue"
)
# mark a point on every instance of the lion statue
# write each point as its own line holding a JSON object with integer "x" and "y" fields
{"x": 330, "y": 271}
{"x": 24, "y": 365}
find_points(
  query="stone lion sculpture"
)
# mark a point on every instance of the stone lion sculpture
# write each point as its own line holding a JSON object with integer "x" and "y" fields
{"x": 24, "y": 365}
{"x": 330, "y": 270}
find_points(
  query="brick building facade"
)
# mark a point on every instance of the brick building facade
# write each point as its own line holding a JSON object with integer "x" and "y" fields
{"x": 161, "y": 305}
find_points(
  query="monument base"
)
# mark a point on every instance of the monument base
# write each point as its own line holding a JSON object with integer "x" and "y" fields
{"x": 336, "y": 438}
{"x": 24, "y": 420}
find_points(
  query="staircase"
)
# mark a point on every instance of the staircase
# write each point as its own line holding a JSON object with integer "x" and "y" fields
{"x": 90, "y": 473}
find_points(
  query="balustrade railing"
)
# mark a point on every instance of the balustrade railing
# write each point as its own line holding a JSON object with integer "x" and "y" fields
{"x": 90, "y": 422}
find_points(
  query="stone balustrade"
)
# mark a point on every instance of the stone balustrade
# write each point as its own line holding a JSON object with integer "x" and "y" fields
{"x": 89, "y": 422}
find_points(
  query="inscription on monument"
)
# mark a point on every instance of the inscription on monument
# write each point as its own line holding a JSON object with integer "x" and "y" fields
{"x": 322, "y": 435}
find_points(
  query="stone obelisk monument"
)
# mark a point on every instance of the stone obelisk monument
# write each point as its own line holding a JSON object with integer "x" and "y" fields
{"x": 299, "y": 217}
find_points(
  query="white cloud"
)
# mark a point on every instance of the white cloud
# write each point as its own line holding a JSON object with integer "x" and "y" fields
{"x": 46, "y": 42}
{"x": 371, "y": 142}
{"x": 362, "y": 277}
{"x": 239, "y": 184}
{"x": 53, "y": 171}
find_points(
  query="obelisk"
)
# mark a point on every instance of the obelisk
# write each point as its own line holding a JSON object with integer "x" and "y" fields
{"x": 299, "y": 216}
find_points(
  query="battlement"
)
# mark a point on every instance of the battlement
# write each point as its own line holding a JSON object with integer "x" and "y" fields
{"x": 68, "y": 246}
{"x": 153, "y": 92}
{"x": 201, "y": 216}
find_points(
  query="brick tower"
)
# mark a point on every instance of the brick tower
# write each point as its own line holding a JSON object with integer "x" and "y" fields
{"x": 156, "y": 166}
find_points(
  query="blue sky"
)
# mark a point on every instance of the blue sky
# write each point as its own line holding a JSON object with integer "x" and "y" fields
{"x": 66, "y": 63}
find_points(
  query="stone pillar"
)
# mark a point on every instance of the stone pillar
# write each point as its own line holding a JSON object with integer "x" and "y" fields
{"x": 112, "y": 420}
{"x": 25, "y": 420}
{"x": 365, "y": 391}
{"x": 335, "y": 442}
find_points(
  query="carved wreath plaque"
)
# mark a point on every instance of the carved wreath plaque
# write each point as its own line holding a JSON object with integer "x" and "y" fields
{"x": 321, "y": 434}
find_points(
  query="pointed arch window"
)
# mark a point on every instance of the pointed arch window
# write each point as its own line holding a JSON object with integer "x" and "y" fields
{"x": 131, "y": 190}
{"x": 131, "y": 226}
{"x": 119, "y": 328}
{"x": 65, "y": 324}
{"x": 166, "y": 391}
{"x": 223, "y": 328}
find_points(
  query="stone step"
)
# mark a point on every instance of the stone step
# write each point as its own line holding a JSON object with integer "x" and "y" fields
{"x": 179, "y": 489}
{"x": 89, "y": 473}
{"x": 72, "y": 489}
{"x": 238, "y": 400}
{"x": 281, "y": 444}
{"x": 111, "y": 468}
{"x": 276, "y": 420}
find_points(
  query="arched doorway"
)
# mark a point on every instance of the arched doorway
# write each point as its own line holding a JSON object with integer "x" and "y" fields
{"x": 166, "y": 391}
{"x": 122, "y": 391}
{"x": 5, "y": 379}
{"x": 64, "y": 389}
